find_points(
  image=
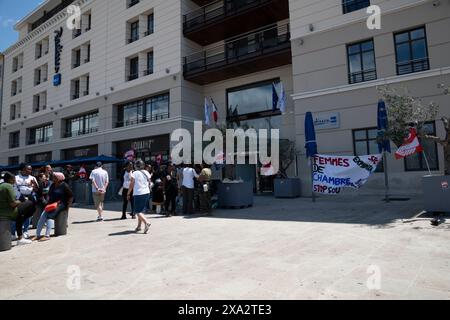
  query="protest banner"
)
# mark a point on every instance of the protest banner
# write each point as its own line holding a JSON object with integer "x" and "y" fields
{"x": 332, "y": 173}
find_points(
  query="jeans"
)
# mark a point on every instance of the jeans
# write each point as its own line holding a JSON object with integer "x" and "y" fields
{"x": 26, "y": 226}
{"x": 49, "y": 218}
{"x": 25, "y": 212}
{"x": 42, "y": 220}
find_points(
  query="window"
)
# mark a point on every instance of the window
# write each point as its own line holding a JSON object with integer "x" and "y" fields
{"x": 89, "y": 22}
{"x": 150, "y": 24}
{"x": 149, "y": 63}
{"x": 134, "y": 32}
{"x": 134, "y": 69}
{"x": 365, "y": 143}
{"x": 417, "y": 162}
{"x": 37, "y": 76}
{"x": 86, "y": 91}
{"x": 76, "y": 89}
{"x": 14, "y": 111}
{"x": 77, "y": 58}
{"x": 361, "y": 62}
{"x": 88, "y": 53}
{"x": 252, "y": 99}
{"x": 411, "y": 51}
{"x": 131, "y": 3}
{"x": 41, "y": 134}
{"x": 146, "y": 110}
{"x": 82, "y": 125}
{"x": 353, "y": 5}
{"x": 14, "y": 139}
{"x": 13, "y": 161}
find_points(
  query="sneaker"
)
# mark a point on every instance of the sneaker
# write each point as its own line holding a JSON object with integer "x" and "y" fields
{"x": 14, "y": 238}
{"x": 99, "y": 218}
{"x": 147, "y": 226}
{"x": 123, "y": 218}
{"x": 137, "y": 229}
{"x": 26, "y": 236}
{"x": 23, "y": 242}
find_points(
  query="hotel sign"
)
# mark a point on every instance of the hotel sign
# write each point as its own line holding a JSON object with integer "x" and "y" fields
{"x": 327, "y": 121}
{"x": 58, "y": 50}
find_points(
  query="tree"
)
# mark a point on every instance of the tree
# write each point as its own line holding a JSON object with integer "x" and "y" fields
{"x": 405, "y": 111}
{"x": 287, "y": 155}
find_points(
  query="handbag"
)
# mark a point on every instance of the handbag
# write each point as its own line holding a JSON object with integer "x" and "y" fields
{"x": 120, "y": 193}
{"x": 51, "y": 207}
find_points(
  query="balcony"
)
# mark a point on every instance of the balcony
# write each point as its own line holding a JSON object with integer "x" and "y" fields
{"x": 140, "y": 120}
{"x": 225, "y": 19}
{"x": 49, "y": 14}
{"x": 251, "y": 53}
{"x": 32, "y": 141}
{"x": 72, "y": 134}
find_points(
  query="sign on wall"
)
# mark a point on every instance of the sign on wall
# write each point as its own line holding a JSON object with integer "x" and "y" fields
{"x": 332, "y": 173}
{"x": 324, "y": 121}
{"x": 58, "y": 51}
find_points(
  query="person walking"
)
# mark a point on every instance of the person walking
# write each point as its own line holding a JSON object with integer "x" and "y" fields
{"x": 100, "y": 182}
{"x": 140, "y": 189}
{"x": 61, "y": 194}
{"x": 13, "y": 209}
{"x": 205, "y": 190}
{"x": 189, "y": 175}
{"x": 125, "y": 187}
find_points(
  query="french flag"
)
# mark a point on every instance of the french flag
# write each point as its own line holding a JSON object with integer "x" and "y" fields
{"x": 215, "y": 111}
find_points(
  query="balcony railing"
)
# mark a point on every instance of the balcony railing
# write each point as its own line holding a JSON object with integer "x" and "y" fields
{"x": 48, "y": 15}
{"x": 362, "y": 76}
{"x": 218, "y": 10}
{"x": 133, "y": 76}
{"x": 413, "y": 66}
{"x": 268, "y": 42}
{"x": 75, "y": 96}
{"x": 72, "y": 134}
{"x": 137, "y": 121}
{"x": 132, "y": 3}
{"x": 38, "y": 141}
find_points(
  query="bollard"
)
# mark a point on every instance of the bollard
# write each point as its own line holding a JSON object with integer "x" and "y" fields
{"x": 5, "y": 234}
{"x": 61, "y": 223}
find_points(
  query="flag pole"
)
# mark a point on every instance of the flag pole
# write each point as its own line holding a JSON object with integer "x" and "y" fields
{"x": 426, "y": 161}
{"x": 312, "y": 179}
{"x": 386, "y": 177}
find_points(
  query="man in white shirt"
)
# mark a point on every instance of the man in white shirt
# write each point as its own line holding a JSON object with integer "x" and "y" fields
{"x": 188, "y": 189}
{"x": 26, "y": 187}
{"x": 100, "y": 181}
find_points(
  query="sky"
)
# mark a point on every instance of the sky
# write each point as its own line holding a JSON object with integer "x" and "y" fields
{"x": 12, "y": 11}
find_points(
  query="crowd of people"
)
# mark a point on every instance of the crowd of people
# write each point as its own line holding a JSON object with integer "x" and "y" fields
{"x": 163, "y": 189}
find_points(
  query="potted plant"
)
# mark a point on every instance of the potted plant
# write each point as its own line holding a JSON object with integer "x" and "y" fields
{"x": 285, "y": 187}
{"x": 404, "y": 112}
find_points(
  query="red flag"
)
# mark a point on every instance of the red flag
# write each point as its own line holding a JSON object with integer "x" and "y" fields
{"x": 410, "y": 146}
{"x": 215, "y": 111}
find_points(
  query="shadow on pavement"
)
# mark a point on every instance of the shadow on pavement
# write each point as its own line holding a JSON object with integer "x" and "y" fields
{"x": 122, "y": 233}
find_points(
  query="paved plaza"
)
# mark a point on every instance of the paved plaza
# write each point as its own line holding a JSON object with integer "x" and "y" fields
{"x": 338, "y": 248}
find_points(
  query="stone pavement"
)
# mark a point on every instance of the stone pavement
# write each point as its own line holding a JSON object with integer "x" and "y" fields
{"x": 279, "y": 249}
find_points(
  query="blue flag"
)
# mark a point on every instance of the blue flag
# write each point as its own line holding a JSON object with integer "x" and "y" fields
{"x": 275, "y": 98}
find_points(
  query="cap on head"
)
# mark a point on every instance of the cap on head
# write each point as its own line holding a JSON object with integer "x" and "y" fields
{"x": 99, "y": 164}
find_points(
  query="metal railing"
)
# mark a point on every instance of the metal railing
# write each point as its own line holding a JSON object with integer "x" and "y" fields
{"x": 413, "y": 66}
{"x": 218, "y": 10}
{"x": 48, "y": 15}
{"x": 362, "y": 76}
{"x": 71, "y": 134}
{"x": 141, "y": 120}
{"x": 247, "y": 47}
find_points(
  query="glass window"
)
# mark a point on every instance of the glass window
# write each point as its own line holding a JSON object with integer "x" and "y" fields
{"x": 365, "y": 143}
{"x": 150, "y": 24}
{"x": 353, "y": 5}
{"x": 418, "y": 162}
{"x": 361, "y": 62}
{"x": 160, "y": 107}
{"x": 251, "y": 99}
{"x": 151, "y": 109}
{"x": 134, "y": 31}
{"x": 411, "y": 51}
{"x": 149, "y": 63}
{"x": 134, "y": 68}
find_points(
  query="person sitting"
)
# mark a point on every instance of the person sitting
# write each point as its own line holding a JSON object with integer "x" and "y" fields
{"x": 60, "y": 193}
{"x": 13, "y": 209}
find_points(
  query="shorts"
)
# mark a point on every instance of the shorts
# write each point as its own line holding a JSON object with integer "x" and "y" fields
{"x": 99, "y": 199}
{"x": 140, "y": 203}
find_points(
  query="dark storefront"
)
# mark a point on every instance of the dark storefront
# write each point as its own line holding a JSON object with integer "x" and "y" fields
{"x": 82, "y": 152}
{"x": 148, "y": 149}
{"x": 39, "y": 157}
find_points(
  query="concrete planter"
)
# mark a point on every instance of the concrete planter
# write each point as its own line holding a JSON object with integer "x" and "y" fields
{"x": 436, "y": 191}
{"x": 61, "y": 223}
{"x": 235, "y": 195}
{"x": 287, "y": 188}
{"x": 5, "y": 234}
